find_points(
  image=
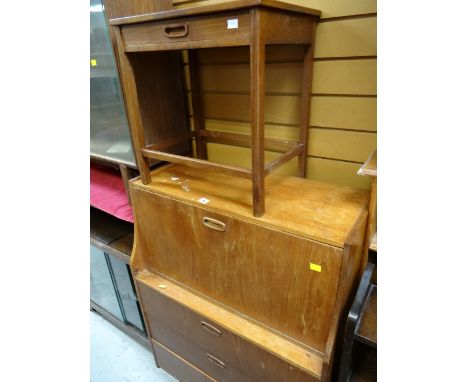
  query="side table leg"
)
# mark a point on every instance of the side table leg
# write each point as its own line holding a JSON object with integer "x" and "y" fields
{"x": 197, "y": 102}
{"x": 257, "y": 104}
{"x": 133, "y": 107}
{"x": 305, "y": 106}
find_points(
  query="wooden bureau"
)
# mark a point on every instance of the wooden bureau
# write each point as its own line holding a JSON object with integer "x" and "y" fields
{"x": 230, "y": 297}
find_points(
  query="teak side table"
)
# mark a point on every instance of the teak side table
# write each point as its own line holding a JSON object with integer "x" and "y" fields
{"x": 152, "y": 42}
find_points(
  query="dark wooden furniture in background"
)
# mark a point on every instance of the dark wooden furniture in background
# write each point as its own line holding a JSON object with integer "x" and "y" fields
{"x": 151, "y": 44}
{"x": 113, "y": 239}
{"x": 228, "y": 296}
{"x": 361, "y": 327}
{"x": 369, "y": 168}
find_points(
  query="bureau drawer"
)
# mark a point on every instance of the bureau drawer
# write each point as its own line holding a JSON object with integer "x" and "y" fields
{"x": 257, "y": 271}
{"x": 204, "y": 359}
{"x": 178, "y": 367}
{"x": 186, "y": 332}
{"x": 191, "y": 32}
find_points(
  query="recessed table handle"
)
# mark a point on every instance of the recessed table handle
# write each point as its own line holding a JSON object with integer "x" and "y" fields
{"x": 211, "y": 329}
{"x": 176, "y": 30}
{"x": 214, "y": 224}
{"x": 216, "y": 361}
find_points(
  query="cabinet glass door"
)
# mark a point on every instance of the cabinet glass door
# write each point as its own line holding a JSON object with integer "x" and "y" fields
{"x": 122, "y": 277}
{"x": 110, "y": 136}
{"x": 102, "y": 287}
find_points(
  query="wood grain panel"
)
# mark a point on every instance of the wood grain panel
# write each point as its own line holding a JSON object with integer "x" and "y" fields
{"x": 289, "y": 28}
{"x": 330, "y": 77}
{"x": 349, "y": 37}
{"x": 156, "y": 92}
{"x": 329, "y": 8}
{"x": 207, "y": 29}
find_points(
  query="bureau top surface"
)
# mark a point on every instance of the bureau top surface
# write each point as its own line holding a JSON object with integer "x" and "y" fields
{"x": 214, "y": 8}
{"x": 316, "y": 210}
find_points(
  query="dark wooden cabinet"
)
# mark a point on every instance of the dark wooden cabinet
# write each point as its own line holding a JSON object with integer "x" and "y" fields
{"x": 112, "y": 287}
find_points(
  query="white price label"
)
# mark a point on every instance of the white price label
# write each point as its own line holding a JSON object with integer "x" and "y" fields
{"x": 233, "y": 23}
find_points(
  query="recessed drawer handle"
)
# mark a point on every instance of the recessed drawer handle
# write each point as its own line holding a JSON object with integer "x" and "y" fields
{"x": 176, "y": 30}
{"x": 211, "y": 329}
{"x": 216, "y": 361}
{"x": 214, "y": 224}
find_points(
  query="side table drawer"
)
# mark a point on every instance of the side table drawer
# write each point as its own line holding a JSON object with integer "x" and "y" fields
{"x": 188, "y": 32}
{"x": 178, "y": 367}
{"x": 210, "y": 347}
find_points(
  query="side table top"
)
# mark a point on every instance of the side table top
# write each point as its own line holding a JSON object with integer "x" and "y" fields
{"x": 214, "y": 8}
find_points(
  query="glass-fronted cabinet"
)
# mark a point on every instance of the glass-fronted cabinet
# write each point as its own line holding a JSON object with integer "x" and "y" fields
{"x": 102, "y": 286}
{"x": 112, "y": 288}
{"x": 110, "y": 136}
{"x": 126, "y": 292}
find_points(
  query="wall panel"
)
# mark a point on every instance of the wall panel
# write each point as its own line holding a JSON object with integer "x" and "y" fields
{"x": 354, "y": 113}
{"x": 344, "y": 76}
{"x": 347, "y": 38}
{"x": 326, "y": 170}
{"x": 327, "y": 143}
{"x": 349, "y": 113}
